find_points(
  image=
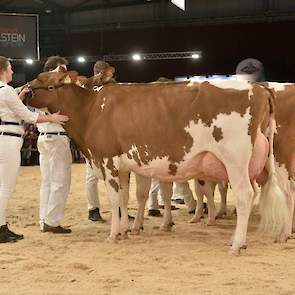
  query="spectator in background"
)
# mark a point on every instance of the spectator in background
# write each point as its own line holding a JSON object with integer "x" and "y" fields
{"x": 30, "y": 140}
{"x": 92, "y": 195}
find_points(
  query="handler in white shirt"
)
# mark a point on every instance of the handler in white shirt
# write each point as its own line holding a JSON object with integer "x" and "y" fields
{"x": 55, "y": 165}
{"x": 12, "y": 113}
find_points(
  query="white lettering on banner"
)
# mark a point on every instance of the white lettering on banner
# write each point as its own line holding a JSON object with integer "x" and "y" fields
{"x": 12, "y": 39}
{"x": 179, "y": 3}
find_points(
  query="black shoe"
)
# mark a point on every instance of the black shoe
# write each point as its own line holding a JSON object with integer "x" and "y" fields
{"x": 55, "y": 229}
{"x": 192, "y": 211}
{"x": 5, "y": 237}
{"x": 94, "y": 215}
{"x": 129, "y": 216}
{"x": 179, "y": 201}
{"x": 154, "y": 212}
{"x": 12, "y": 234}
{"x": 172, "y": 207}
{"x": 205, "y": 210}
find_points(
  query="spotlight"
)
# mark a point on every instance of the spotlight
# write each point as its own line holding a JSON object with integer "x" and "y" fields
{"x": 136, "y": 57}
{"x": 81, "y": 59}
{"x": 195, "y": 55}
{"x": 29, "y": 61}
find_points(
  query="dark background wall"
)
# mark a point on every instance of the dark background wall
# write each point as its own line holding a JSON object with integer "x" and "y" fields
{"x": 225, "y": 31}
{"x": 222, "y": 46}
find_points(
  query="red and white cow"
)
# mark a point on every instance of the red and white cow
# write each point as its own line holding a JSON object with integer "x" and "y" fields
{"x": 284, "y": 154}
{"x": 171, "y": 132}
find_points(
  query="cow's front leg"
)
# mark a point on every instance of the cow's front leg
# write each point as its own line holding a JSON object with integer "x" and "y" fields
{"x": 166, "y": 193}
{"x": 292, "y": 189}
{"x": 142, "y": 190}
{"x": 124, "y": 197}
{"x": 222, "y": 187}
{"x": 211, "y": 207}
{"x": 110, "y": 172}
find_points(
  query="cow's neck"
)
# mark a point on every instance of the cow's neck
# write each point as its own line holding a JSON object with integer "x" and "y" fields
{"x": 76, "y": 103}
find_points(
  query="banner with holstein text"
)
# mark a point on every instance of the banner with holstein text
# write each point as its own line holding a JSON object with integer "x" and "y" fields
{"x": 19, "y": 36}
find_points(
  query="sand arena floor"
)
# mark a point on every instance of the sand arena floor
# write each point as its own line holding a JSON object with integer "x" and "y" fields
{"x": 192, "y": 259}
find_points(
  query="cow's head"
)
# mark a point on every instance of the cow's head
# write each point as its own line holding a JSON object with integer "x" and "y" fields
{"x": 44, "y": 89}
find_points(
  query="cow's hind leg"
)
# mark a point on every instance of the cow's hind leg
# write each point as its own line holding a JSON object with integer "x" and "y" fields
{"x": 166, "y": 193}
{"x": 199, "y": 213}
{"x": 244, "y": 193}
{"x": 142, "y": 190}
{"x": 112, "y": 181}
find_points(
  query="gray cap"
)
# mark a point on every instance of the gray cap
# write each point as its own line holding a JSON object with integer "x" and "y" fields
{"x": 250, "y": 69}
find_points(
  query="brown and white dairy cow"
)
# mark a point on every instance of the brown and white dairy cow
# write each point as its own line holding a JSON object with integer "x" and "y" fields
{"x": 284, "y": 148}
{"x": 142, "y": 184}
{"x": 169, "y": 131}
{"x": 284, "y": 153}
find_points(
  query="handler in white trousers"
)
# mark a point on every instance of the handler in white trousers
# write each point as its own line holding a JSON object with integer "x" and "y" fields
{"x": 55, "y": 165}
{"x": 12, "y": 112}
{"x": 92, "y": 196}
{"x": 180, "y": 191}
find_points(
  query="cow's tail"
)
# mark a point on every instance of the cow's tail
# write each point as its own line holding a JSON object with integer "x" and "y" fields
{"x": 273, "y": 202}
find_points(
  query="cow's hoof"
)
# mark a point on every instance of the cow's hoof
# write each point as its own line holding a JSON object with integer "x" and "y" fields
{"x": 211, "y": 222}
{"x": 282, "y": 239}
{"x": 113, "y": 239}
{"x": 234, "y": 252}
{"x": 167, "y": 227}
{"x": 195, "y": 220}
{"x": 124, "y": 236}
{"x": 220, "y": 215}
{"x": 233, "y": 212}
{"x": 135, "y": 232}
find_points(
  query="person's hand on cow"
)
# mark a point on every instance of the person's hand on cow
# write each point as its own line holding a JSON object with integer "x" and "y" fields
{"x": 58, "y": 119}
{"x": 23, "y": 92}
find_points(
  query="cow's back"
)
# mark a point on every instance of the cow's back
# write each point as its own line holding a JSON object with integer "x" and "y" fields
{"x": 155, "y": 116}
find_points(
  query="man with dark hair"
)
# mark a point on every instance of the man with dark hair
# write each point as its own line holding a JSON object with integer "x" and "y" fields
{"x": 93, "y": 202}
{"x": 53, "y": 62}
{"x": 55, "y": 165}
{"x": 100, "y": 67}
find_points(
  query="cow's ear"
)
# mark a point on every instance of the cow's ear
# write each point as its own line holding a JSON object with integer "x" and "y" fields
{"x": 62, "y": 69}
{"x": 69, "y": 77}
{"x": 95, "y": 80}
{"x": 46, "y": 77}
{"x": 112, "y": 70}
{"x": 73, "y": 74}
{"x": 107, "y": 74}
{"x": 81, "y": 80}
